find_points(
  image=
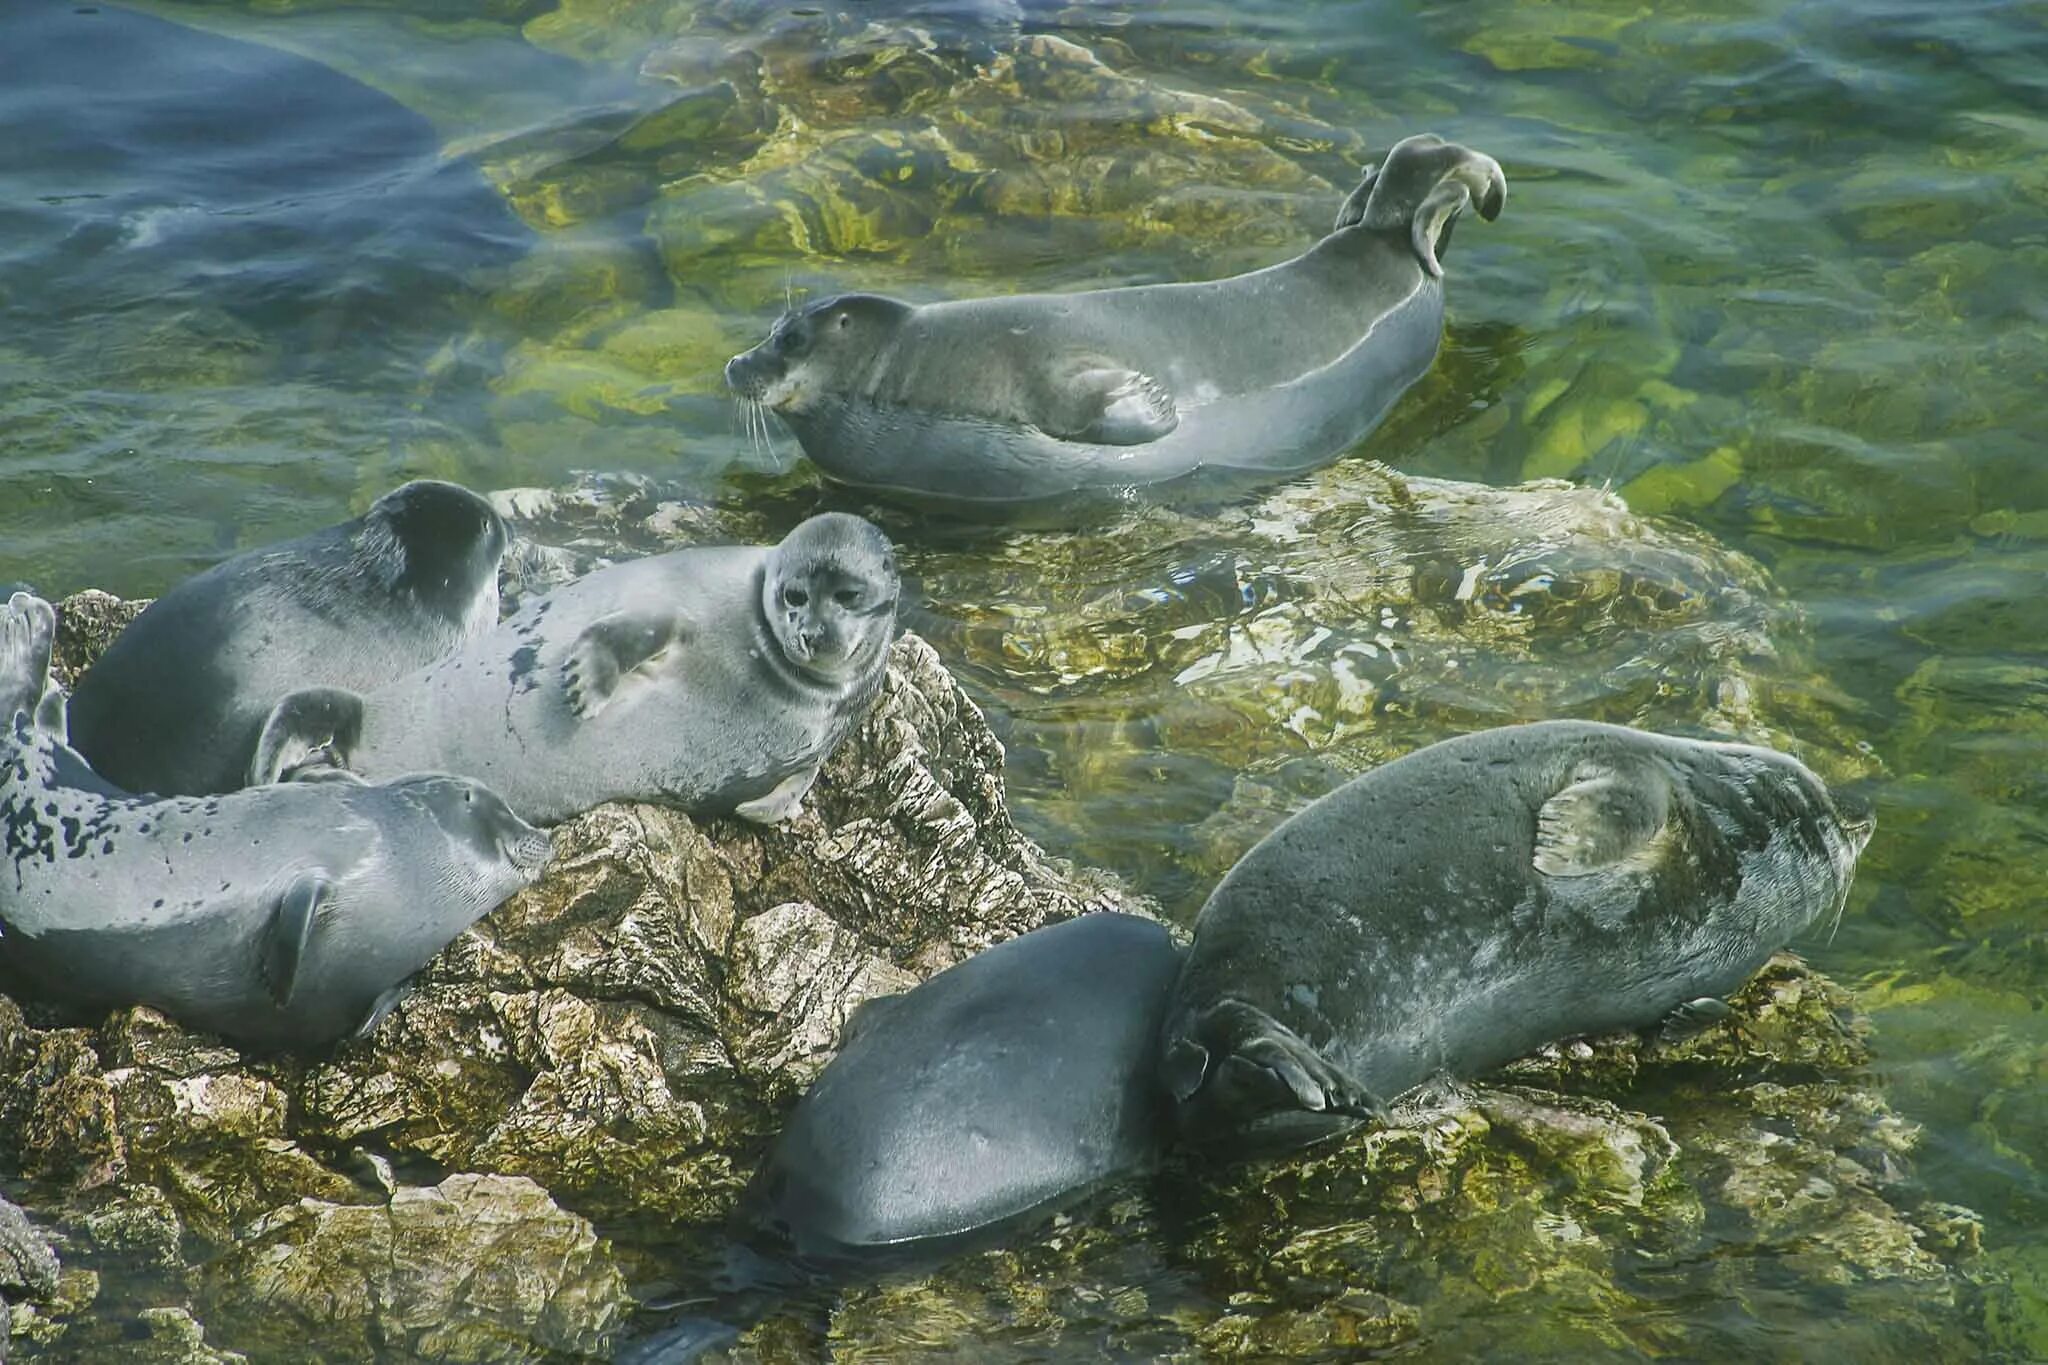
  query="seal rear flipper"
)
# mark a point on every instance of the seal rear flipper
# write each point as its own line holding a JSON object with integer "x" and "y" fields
{"x": 1120, "y": 408}
{"x": 28, "y": 631}
{"x": 1352, "y": 211}
{"x": 289, "y": 932}
{"x": 1238, "y": 1063}
{"x": 611, "y": 648}
{"x": 309, "y": 733}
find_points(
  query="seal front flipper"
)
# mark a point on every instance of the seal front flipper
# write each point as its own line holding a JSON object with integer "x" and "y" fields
{"x": 289, "y": 931}
{"x": 1693, "y": 1017}
{"x": 1239, "y": 1060}
{"x": 28, "y": 630}
{"x": 611, "y": 648}
{"x": 309, "y": 732}
{"x": 1605, "y": 820}
{"x": 1118, "y": 407}
{"x": 786, "y": 802}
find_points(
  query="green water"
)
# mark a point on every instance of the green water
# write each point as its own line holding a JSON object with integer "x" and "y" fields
{"x": 1775, "y": 272}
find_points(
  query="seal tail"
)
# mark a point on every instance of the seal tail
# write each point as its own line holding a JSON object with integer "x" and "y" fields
{"x": 28, "y": 633}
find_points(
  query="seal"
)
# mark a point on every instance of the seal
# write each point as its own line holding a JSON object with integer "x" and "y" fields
{"x": 283, "y": 918}
{"x": 1472, "y": 901}
{"x": 993, "y": 1093}
{"x": 1031, "y": 396}
{"x": 176, "y": 703}
{"x": 716, "y": 679}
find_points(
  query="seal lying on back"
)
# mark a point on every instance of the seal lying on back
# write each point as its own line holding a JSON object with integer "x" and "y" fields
{"x": 1464, "y": 905}
{"x": 717, "y": 679}
{"x": 175, "y": 704}
{"x": 1012, "y": 399}
{"x": 997, "y": 1089}
{"x": 286, "y": 917}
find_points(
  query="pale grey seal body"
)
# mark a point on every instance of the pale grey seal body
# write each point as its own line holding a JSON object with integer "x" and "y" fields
{"x": 176, "y": 703}
{"x": 1466, "y": 904}
{"x": 716, "y": 679}
{"x": 997, "y": 1089}
{"x": 286, "y": 917}
{"x": 1031, "y": 396}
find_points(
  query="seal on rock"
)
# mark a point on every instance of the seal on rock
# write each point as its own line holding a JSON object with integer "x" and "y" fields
{"x": 1035, "y": 395}
{"x": 1472, "y": 901}
{"x": 717, "y": 679}
{"x": 284, "y": 918}
{"x": 176, "y": 704}
{"x": 996, "y": 1090}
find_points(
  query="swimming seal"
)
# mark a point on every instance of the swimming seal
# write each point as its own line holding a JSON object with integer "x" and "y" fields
{"x": 1034, "y": 395}
{"x": 284, "y": 918}
{"x": 716, "y": 679}
{"x": 996, "y": 1090}
{"x": 1470, "y": 902}
{"x": 176, "y": 703}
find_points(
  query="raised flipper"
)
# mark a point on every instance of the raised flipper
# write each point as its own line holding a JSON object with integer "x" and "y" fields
{"x": 1352, "y": 212}
{"x": 1237, "y": 1062}
{"x": 1694, "y": 1017}
{"x": 786, "y": 802}
{"x": 28, "y": 631}
{"x": 311, "y": 732}
{"x": 1606, "y": 820}
{"x": 289, "y": 931}
{"x": 612, "y": 648}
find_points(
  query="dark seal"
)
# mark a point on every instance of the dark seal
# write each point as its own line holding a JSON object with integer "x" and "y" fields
{"x": 1031, "y": 396}
{"x": 1464, "y": 905}
{"x": 992, "y": 1093}
{"x": 175, "y": 705}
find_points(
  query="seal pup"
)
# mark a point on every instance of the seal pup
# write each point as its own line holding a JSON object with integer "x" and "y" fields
{"x": 1034, "y": 395}
{"x": 717, "y": 679}
{"x": 176, "y": 703}
{"x": 996, "y": 1090}
{"x": 1472, "y": 901}
{"x": 283, "y": 918}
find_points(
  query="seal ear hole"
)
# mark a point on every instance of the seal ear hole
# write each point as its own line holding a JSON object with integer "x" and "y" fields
{"x": 795, "y": 596}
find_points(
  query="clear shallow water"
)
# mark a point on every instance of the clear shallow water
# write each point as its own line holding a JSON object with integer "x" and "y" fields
{"x": 1777, "y": 272}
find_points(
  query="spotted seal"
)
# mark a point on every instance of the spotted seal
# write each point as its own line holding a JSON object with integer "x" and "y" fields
{"x": 996, "y": 1090}
{"x": 1030, "y": 396}
{"x": 284, "y": 918}
{"x": 1470, "y": 902}
{"x": 718, "y": 679}
{"x": 176, "y": 703}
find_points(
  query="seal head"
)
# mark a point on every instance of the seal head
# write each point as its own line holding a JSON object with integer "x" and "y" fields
{"x": 828, "y": 593}
{"x": 839, "y": 336}
{"x": 1420, "y": 188}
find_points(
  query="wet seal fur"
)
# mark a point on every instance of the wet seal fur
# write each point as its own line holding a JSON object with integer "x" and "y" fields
{"x": 1470, "y": 902}
{"x": 177, "y": 702}
{"x": 992, "y": 1093}
{"x": 717, "y": 679}
{"x": 284, "y": 918}
{"x": 1036, "y": 395}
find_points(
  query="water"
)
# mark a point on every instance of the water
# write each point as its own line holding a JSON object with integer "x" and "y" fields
{"x": 1778, "y": 273}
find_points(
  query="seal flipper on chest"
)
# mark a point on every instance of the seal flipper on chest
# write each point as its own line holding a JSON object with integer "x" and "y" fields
{"x": 1246, "y": 1063}
{"x": 1607, "y": 822}
{"x": 1112, "y": 406}
{"x": 289, "y": 933}
{"x": 613, "y": 648}
{"x": 313, "y": 731}
{"x": 28, "y": 631}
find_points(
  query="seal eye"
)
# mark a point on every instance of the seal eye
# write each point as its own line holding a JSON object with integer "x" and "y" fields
{"x": 796, "y": 597}
{"x": 845, "y": 320}
{"x": 786, "y": 340}
{"x": 847, "y": 597}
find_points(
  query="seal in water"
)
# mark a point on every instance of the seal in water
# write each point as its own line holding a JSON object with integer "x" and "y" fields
{"x": 1466, "y": 904}
{"x": 284, "y": 918}
{"x": 176, "y": 703}
{"x": 997, "y": 1089}
{"x": 1035, "y": 395}
{"x": 718, "y": 679}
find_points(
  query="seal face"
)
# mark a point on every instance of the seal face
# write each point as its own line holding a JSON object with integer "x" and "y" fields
{"x": 177, "y": 702}
{"x": 992, "y": 1092}
{"x": 1466, "y": 904}
{"x": 715, "y": 679}
{"x": 1032, "y": 396}
{"x": 284, "y": 918}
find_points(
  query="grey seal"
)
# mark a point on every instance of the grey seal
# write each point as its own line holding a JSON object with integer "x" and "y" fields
{"x": 176, "y": 703}
{"x": 284, "y": 918}
{"x": 717, "y": 679}
{"x": 1472, "y": 901}
{"x": 996, "y": 1090}
{"x": 1035, "y": 395}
